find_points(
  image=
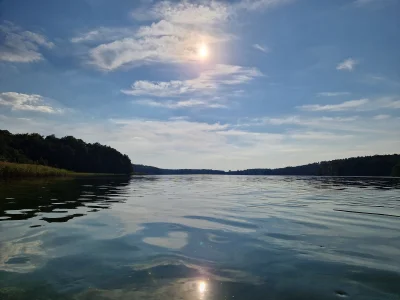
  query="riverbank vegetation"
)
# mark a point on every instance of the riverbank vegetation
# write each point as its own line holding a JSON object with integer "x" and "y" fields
{"x": 67, "y": 153}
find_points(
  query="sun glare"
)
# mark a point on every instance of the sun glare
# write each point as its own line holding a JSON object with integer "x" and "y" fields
{"x": 203, "y": 51}
{"x": 202, "y": 287}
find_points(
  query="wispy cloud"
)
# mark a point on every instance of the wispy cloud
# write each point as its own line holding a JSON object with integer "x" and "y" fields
{"x": 312, "y": 122}
{"x": 319, "y": 135}
{"x": 347, "y": 65}
{"x": 207, "y": 81}
{"x": 387, "y": 102}
{"x": 261, "y": 48}
{"x": 353, "y": 125}
{"x": 103, "y": 34}
{"x": 260, "y": 4}
{"x": 348, "y": 105}
{"x": 379, "y": 79}
{"x": 365, "y": 3}
{"x": 356, "y": 105}
{"x": 18, "y": 45}
{"x": 26, "y": 102}
{"x": 170, "y": 104}
{"x": 332, "y": 94}
{"x": 381, "y": 117}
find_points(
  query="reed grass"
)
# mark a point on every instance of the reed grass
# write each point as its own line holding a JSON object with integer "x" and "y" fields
{"x": 8, "y": 169}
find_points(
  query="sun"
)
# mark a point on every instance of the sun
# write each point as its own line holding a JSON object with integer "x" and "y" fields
{"x": 202, "y": 51}
{"x": 202, "y": 287}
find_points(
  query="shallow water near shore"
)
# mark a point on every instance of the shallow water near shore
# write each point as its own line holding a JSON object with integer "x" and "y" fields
{"x": 200, "y": 237}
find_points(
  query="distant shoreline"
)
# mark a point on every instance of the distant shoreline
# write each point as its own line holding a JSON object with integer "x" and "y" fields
{"x": 368, "y": 166}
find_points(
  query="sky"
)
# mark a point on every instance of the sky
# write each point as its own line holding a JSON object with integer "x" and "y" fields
{"x": 206, "y": 84}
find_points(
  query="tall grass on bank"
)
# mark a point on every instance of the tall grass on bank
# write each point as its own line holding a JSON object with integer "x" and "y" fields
{"x": 8, "y": 169}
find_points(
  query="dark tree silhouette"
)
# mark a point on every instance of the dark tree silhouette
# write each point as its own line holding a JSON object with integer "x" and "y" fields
{"x": 396, "y": 170}
{"x": 66, "y": 153}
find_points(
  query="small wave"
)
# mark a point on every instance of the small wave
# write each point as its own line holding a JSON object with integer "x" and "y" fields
{"x": 366, "y": 213}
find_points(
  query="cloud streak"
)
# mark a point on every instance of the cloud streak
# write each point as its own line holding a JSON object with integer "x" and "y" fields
{"x": 348, "y": 105}
{"x": 261, "y": 48}
{"x": 20, "y": 46}
{"x": 356, "y": 105}
{"x": 332, "y": 94}
{"x": 252, "y": 5}
{"x": 103, "y": 34}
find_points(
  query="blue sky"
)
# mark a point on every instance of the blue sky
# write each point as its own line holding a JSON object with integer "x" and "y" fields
{"x": 206, "y": 84}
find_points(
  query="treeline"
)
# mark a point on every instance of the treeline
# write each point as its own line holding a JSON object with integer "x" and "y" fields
{"x": 377, "y": 165}
{"x": 149, "y": 170}
{"x": 310, "y": 170}
{"x": 66, "y": 153}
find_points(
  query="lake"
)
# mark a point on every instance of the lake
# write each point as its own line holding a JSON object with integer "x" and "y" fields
{"x": 200, "y": 237}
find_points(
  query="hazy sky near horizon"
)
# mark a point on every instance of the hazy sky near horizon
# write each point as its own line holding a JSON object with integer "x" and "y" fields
{"x": 206, "y": 84}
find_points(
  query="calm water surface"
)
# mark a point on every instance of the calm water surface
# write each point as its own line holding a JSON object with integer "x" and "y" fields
{"x": 200, "y": 237}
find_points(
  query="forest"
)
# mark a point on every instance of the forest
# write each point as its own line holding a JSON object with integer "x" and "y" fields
{"x": 66, "y": 153}
{"x": 377, "y": 165}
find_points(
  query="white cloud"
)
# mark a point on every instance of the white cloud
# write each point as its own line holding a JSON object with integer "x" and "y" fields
{"x": 175, "y": 36}
{"x": 21, "y": 46}
{"x": 261, "y": 48}
{"x": 348, "y": 105}
{"x": 25, "y": 102}
{"x": 206, "y": 13}
{"x": 177, "y": 31}
{"x": 206, "y": 82}
{"x": 180, "y": 104}
{"x": 160, "y": 42}
{"x": 347, "y": 65}
{"x": 332, "y": 94}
